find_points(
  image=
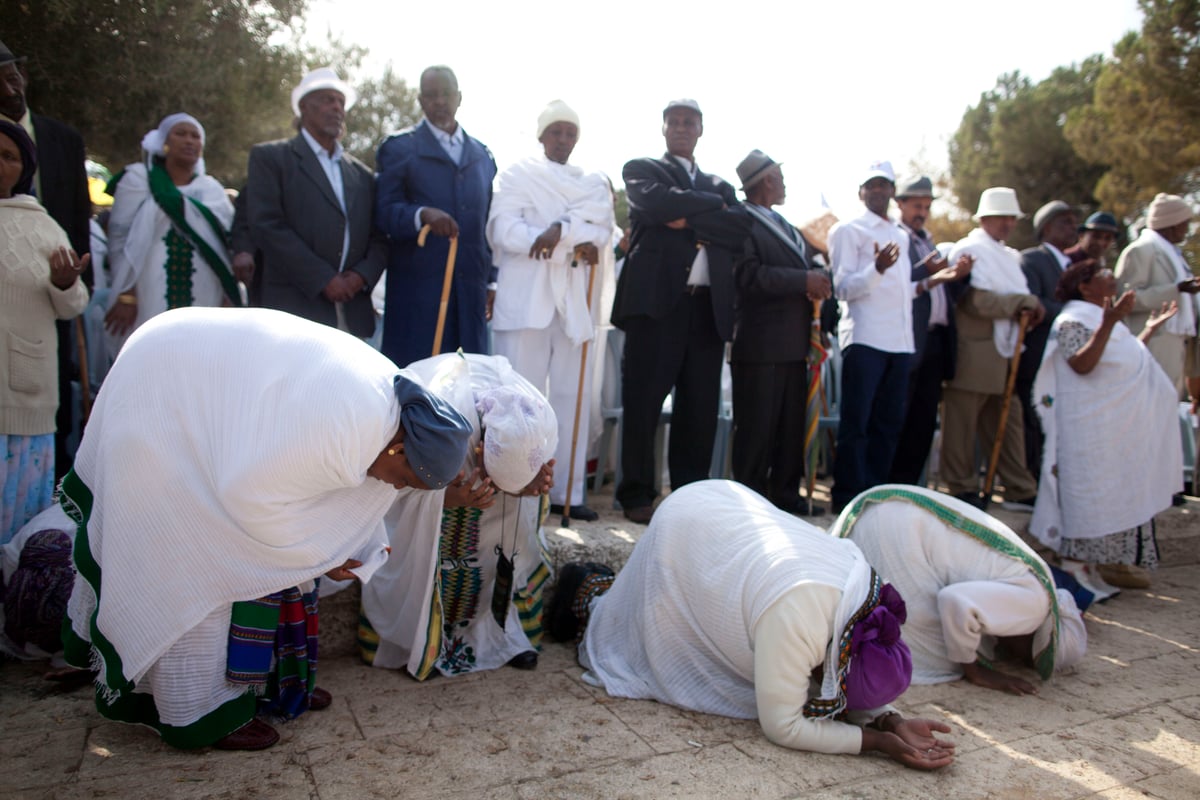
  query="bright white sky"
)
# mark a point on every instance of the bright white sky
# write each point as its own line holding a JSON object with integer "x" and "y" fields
{"x": 825, "y": 89}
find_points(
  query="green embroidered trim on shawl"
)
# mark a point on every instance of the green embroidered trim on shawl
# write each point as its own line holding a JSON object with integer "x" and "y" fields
{"x": 171, "y": 201}
{"x": 115, "y": 698}
{"x": 1044, "y": 661}
{"x": 179, "y": 270}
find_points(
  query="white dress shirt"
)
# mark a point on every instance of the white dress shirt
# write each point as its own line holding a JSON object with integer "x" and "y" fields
{"x": 876, "y": 309}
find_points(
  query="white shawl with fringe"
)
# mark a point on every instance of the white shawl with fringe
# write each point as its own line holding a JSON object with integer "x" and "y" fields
{"x": 997, "y": 269}
{"x": 227, "y": 458}
{"x": 531, "y": 195}
{"x": 678, "y": 624}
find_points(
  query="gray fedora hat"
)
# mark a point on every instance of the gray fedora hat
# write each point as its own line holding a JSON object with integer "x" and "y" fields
{"x": 754, "y": 168}
{"x": 1048, "y": 212}
{"x": 921, "y": 186}
{"x": 8, "y": 57}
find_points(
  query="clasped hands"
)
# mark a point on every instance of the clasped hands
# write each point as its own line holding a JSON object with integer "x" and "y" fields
{"x": 476, "y": 490}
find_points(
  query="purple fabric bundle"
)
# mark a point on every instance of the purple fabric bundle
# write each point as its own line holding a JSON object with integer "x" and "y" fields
{"x": 880, "y": 662}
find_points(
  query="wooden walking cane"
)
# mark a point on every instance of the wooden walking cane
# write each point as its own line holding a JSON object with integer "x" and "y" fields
{"x": 813, "y": 427}
{"x": 994, "y": 461}
{"x": 85, "y": 389}
{"x": 446, "y": 282}
{"x": 566, "y": 517}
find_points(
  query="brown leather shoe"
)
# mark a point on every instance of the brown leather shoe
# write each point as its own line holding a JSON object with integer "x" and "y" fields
{"x": 640, "y": 514}
{"x": 1125, "y": 576}
{"x": 254, "y": 735}
{"x": 320, "y": 699}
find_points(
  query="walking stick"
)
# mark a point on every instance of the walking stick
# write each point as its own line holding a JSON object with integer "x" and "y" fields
{"x": 446, "y": 281}
{"x": 85, "y": 389}
{"x": 994, "y": 461}
{"x": 566, "y": 517}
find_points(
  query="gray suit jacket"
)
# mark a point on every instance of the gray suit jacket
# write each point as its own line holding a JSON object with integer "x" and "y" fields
{"x": 297, "y": 224}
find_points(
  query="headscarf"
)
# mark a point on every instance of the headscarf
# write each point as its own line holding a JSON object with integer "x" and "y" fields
{"x": 28, "y": 155}
{"x": 880, "y": 663}
{"x": 1071, "y": 643}
{"x": 435, "y": 434}
{"x": 153, "y": 141}
{"x": 37, "y": 594}
{"x": 520, "y": 433}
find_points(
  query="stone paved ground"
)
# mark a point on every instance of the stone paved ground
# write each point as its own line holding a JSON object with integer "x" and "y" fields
{"x": 1124, "y": 724}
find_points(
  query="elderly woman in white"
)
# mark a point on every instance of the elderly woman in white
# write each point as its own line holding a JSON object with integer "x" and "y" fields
{"x": 969, "y": 582}
{"x": 461, "y": 591}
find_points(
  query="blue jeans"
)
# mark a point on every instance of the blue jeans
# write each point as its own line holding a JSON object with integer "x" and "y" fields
{"x": 874, "y": 391}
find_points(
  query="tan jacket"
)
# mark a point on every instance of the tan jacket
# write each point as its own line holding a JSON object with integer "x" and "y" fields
{"x": 1151, "y": 274}
{"x": 980, "y": 367}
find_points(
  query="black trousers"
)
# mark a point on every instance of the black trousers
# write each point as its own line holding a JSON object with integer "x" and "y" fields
{"x": 769, "y": 407}
{"x": 1034, "y": 438}
{"x": 682, "y": 350}
{"x": 920, "y": 418}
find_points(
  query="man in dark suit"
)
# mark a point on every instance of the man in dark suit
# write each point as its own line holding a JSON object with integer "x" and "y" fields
{"x": 435, "y": 174}
{"x": 776, "y": 284}
{"x": 934, "y": 335}
{"x": 61, "y": 187}
{"x": 1057, "y": 228}
{"x": 674, "y": 301}
{"x": 310, "y": 207}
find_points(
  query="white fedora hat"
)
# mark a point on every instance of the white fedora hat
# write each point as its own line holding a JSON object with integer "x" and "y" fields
{"x": 322, "y": 78}
{"x": 999, "y": 201}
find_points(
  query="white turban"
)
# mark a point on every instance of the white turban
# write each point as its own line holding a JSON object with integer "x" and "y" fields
{"x": 153, "y": 141}
{"x": 520, "y": 433}
{"x": 557, "y": 111}
{"x": 1166, "y": 210}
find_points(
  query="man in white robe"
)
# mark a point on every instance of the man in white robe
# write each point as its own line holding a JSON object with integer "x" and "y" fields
{"x": 550, "y": 225}
{"x": 967, "y": 581}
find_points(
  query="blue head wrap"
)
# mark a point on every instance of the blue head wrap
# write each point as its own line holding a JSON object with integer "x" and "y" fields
{"x": 436, "y": 436}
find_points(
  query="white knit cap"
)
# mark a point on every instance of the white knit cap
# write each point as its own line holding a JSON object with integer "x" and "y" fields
{"x": 520, "y": 433}
{"x": 556, "y": 111}
{"x": 1167, "y": 210}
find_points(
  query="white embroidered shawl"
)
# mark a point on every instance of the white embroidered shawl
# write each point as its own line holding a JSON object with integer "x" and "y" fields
{"x": 997, "y": 269}
{"x": 1113, "y": 456}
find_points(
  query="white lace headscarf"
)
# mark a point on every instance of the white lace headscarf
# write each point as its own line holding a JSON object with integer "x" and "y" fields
{"x": 520, "y": 434}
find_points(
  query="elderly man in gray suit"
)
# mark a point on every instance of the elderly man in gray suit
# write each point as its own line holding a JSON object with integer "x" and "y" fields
{"x": 311, "y": 213}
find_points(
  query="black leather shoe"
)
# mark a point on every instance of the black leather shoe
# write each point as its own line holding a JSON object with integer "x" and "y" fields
{"x": 254, "y": 735}
{"x": 640, "y": 514}
{"x": 971, "y": 499}
{"x": 526, "y": 660}
{"x": 581, "y": 512}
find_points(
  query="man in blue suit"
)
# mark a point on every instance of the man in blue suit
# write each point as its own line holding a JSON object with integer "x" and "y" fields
{"x": 435, "y": 174}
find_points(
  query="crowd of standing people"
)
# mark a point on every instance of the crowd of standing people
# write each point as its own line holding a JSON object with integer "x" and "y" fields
{"x": 268, "y": 455}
